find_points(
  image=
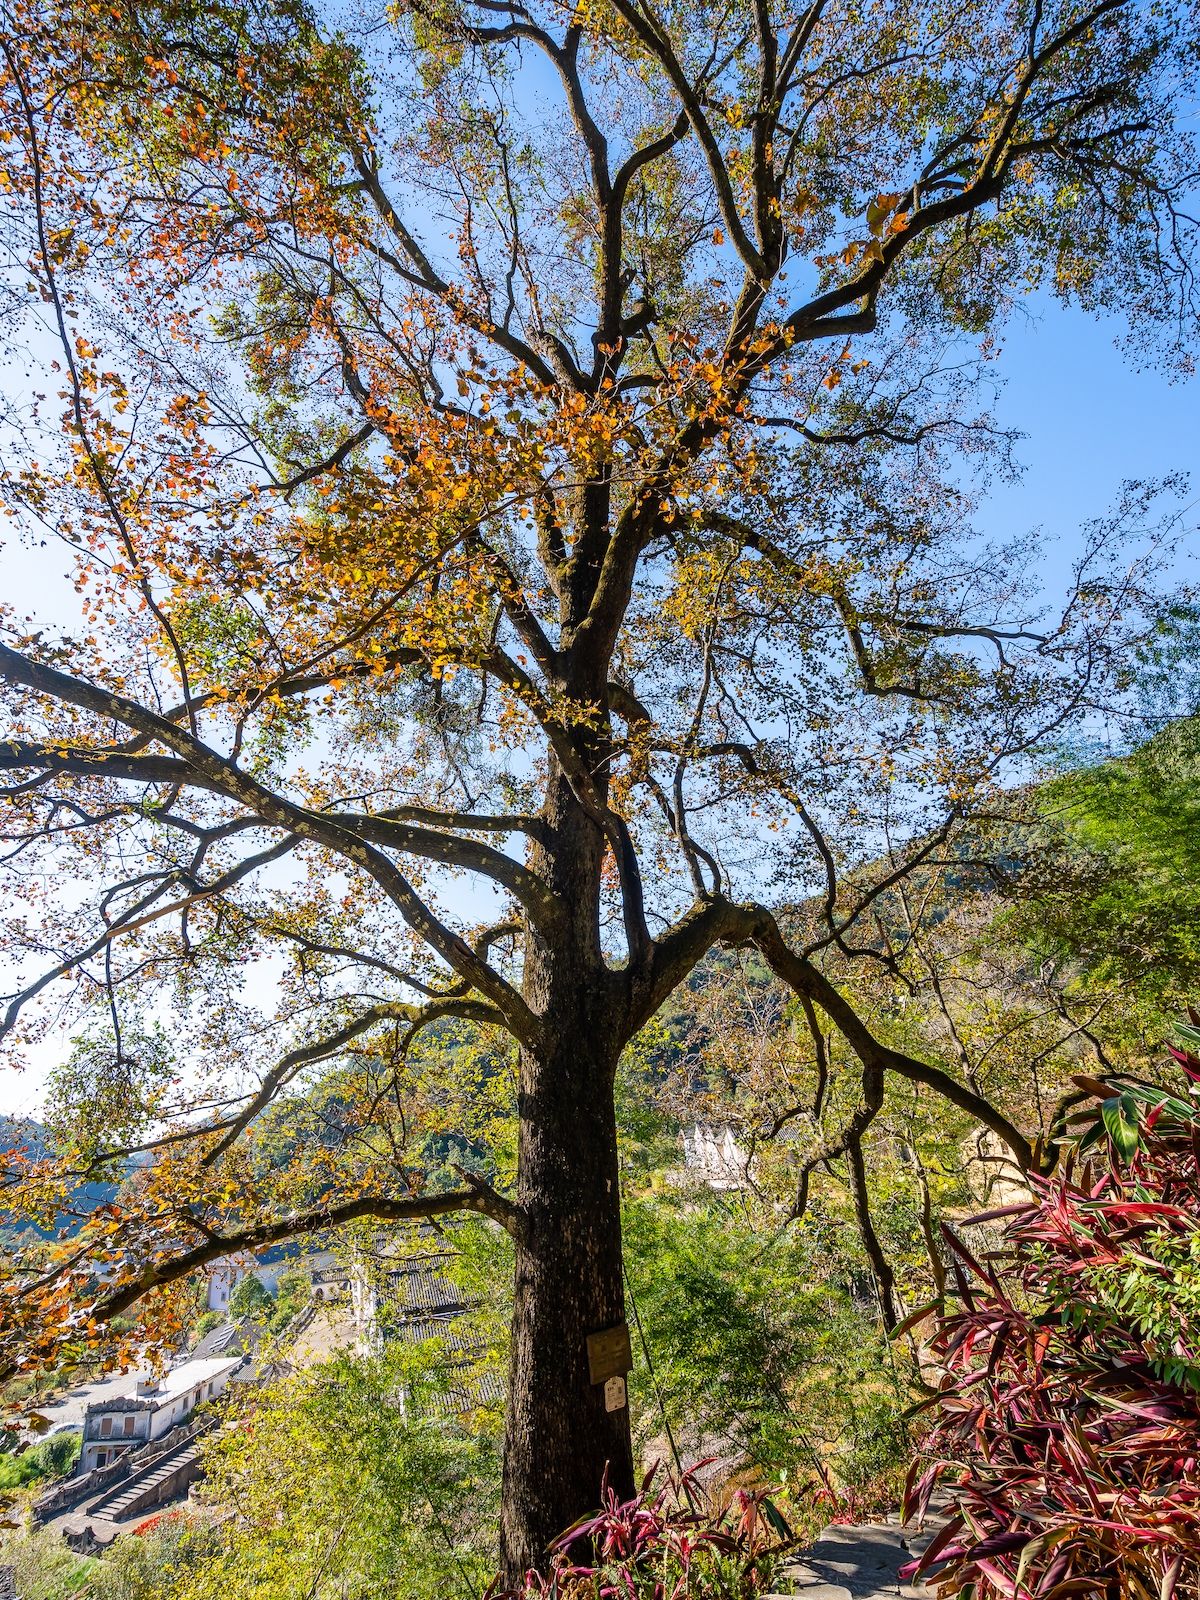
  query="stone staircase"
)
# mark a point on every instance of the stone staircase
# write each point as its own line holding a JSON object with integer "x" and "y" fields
{"x": 161, "y": 1473}
{"x": 158, "y": 1481}
{"x": 90, "y": 1488}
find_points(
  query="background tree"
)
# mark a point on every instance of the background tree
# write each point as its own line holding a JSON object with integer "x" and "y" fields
{"x": 251, "y": 1299}
{"x": 340, "y": 1491}
{"x": 1060, "y": 940}
{"x": 515, "y": 543}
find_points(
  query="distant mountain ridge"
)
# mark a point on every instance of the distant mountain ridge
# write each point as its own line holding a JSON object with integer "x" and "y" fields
{"x": 29, "y": 1134}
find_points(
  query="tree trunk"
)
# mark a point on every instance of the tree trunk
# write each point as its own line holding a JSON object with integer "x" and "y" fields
{"x": 560, "y": 1442}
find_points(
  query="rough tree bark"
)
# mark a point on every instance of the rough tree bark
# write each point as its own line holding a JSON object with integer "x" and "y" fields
{"x": 560, "y": 1441}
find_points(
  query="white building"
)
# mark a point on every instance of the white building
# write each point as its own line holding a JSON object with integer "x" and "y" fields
{"x": 268, "y": 1267}
{"x": 712, "y": 1156}
{"x": 149, "y": 1407}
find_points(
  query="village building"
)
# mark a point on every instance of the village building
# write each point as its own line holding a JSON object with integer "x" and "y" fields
{"x": 230, "y": 1339}
{"x": 414, "y": 1299}
{"x": 150, "y": 1408}
{"x": 713, "y": 1157}
{"x": 405, "y": 1298}
{"x": 327, "y": 1270}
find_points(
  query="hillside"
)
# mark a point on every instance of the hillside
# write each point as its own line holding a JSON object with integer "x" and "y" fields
{"x": 26, "y": 1134}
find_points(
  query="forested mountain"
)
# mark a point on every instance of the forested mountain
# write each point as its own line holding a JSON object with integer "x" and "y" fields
{"x": 30, "y": 1137}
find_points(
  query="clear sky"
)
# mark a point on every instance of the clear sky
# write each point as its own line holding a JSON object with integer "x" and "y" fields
{"x": 1091, "y": 419}
{"x": 1092, "y": 422}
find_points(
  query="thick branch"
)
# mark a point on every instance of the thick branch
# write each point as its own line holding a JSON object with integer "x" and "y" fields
{"x": 305, "y": 1055}
{"x": 653, "y": 37}
{"x": 806, "y": 979}
{"x": 215, "y": 771}
{"x": 881, "y": 1267}
{"x": 170, "y": 1268}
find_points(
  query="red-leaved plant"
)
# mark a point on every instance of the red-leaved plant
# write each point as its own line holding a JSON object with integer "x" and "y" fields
{"x": 675, "y": 1540}
{"x": 1067, "y": 1432}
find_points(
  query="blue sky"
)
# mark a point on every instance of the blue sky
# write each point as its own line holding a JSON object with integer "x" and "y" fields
{"x": 1092, "y": 422}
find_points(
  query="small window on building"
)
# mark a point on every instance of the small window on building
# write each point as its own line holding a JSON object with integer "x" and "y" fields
{"x": 102, "y": 1456}
{"x": 129, "y": 1426}
{"x": 106, "y": 1427}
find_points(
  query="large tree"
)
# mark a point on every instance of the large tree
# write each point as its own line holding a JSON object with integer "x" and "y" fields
{"x": 517, "y": 460}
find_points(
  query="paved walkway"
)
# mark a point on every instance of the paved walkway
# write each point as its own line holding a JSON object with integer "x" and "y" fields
{"x": 68, "y": 1409}
{"x": 331, "y": 1330}
{"x": 860, "y": 1562}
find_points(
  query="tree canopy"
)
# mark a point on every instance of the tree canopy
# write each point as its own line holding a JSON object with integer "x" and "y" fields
{"x": 517, "y": 462}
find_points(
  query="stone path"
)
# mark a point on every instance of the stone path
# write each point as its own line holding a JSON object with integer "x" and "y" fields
{"x": 859, "y": 1563}
{"x": 98, "y": 1518}
{"x": 148, "y": 1488}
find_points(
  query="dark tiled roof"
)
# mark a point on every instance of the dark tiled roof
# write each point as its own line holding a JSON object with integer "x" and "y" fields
{"x": 480, "y": 1389}
{"x": 419, "y": 1303}
{"x": 229, "y": 1339}
{"x": 455, "y": 1339}
{"x": 417, "y": 1288}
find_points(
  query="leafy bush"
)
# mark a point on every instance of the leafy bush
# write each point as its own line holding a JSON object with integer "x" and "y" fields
{"x": 43, "y": 1567}
{"x": 1069, "y": 1412}
{"x": 292, "y": 1294}
{"x": 333, "y": 1485}
{"x": 760, "y": 1354}
{"x": 150, "y": 1562}
{"x": 52, "y": 1458}
{"x": 673, "y": 1541}
{"x": 251, "y": 1299}
{"x": 57, "y": 1455}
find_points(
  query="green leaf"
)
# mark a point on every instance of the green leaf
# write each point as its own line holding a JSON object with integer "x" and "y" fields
{"x": 1121, "y": 1120}
{"x": 1092, "y": 1137}
{"x": 776, "y": 1518}
{"x": 914, "y": 1317}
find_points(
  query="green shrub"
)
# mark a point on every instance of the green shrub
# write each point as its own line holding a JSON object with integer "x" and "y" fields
{"x": 150, "y": 1562}
{"x": 293, "y": 1293}
{"x": 52, "y": 1458}
{"x": 345, "y": 1491}
{"x": 758, "y": 1349}
{"x": 44, "y": 1569}
{"x": 251, "y": 1300}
